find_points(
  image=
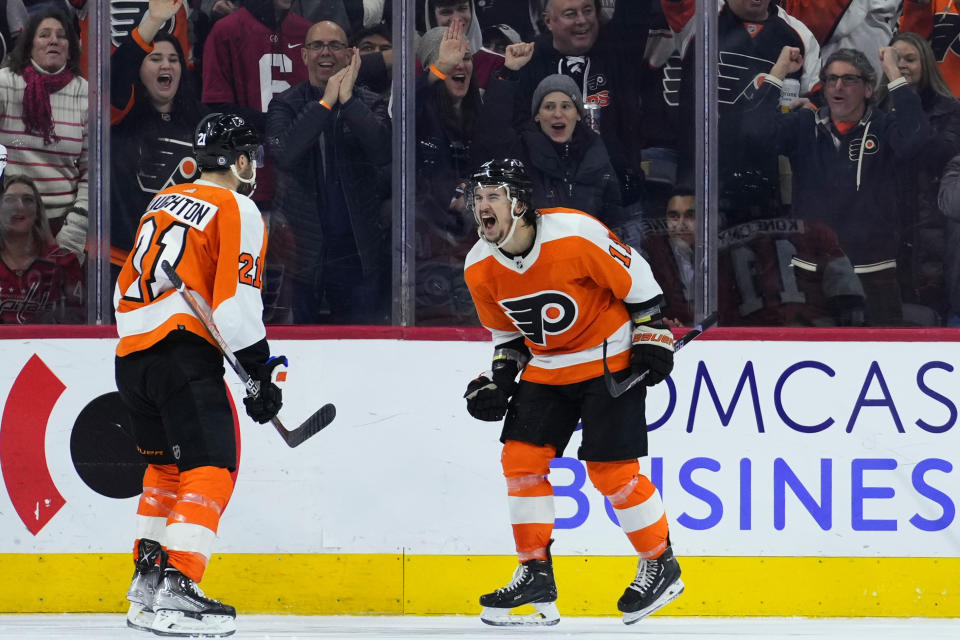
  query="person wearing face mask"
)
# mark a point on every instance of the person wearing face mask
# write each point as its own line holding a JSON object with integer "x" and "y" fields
{"x": 39, "y": 281}
{"x": 566, "y": 160}
{"x": 155, "y": 114}
{"x": 329, "y": 140}
{"x": 44, "y": 105}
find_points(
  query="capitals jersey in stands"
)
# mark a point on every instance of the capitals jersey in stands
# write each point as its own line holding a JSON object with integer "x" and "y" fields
{"x": 216, "y": 240}
{"x": 49, "y": 291}
{"x": 246, "y": 63}
{"x": 565, "y": 297}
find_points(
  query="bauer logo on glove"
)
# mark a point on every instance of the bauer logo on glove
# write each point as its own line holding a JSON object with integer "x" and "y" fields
{"x": 652, "y": 351}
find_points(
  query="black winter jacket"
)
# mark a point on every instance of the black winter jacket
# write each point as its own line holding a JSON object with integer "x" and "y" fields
{"x": 299, "y": 129}
{"x": 577, "y": 175}
{"x": 846, "y": 180}
{"x": 611, "y": 79}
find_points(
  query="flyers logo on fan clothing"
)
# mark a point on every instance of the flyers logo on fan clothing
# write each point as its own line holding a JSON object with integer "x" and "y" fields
{"x": 565, "y": 297}
{"x": 939, "y": 23}
{"x": 870, "y": 145}
{"x": 946, "y": 35}
{"x": 216, "y": 240}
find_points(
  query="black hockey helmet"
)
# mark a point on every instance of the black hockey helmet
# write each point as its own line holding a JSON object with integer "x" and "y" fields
{"x": 508, "y": 172}
{"x": 221, "y": 137}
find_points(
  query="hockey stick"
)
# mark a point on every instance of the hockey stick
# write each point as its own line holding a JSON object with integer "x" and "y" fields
{"x": 617, "y": 389}
{"x": 320, "y": 419}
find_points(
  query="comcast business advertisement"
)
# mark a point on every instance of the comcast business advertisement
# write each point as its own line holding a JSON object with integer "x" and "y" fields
{"x": 760, "y": 449}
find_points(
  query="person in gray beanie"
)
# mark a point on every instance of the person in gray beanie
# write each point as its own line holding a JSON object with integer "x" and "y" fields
{"x": 556, "y": 82}
{"x": 428, "y": 46}
{"x": 567, "y": 162}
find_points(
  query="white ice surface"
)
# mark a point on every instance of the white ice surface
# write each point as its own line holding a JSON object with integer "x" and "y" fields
{"x": 111, "y": 627}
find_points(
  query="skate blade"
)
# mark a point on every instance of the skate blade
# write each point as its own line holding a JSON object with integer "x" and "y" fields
{"x": 177, "y": 624}
{"x": 672, "y": 593}
{"x": 546, "y": 615}
{"x": 140, "y": 617}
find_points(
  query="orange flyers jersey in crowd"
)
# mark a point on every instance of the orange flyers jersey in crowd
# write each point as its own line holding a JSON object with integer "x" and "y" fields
{"x": 565, "y": 297}
{"x": 216, "y": 240}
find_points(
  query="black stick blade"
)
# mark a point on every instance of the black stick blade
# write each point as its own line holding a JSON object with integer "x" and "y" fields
{"x": 312, "y": 425}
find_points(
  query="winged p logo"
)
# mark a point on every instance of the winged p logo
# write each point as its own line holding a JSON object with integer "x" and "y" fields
{"x": 735, "y": 73}
{"x": 541, "y": 314}
{"x": 870, "y": 146}
{"x": 672, "y": 76}
{"x": 946, "y": 28}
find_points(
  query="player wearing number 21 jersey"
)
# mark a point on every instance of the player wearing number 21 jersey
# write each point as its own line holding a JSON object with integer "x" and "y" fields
{"x": 216, "y": 240}
{"x": 169, "y": 372}
{"x": 552, "y": 286}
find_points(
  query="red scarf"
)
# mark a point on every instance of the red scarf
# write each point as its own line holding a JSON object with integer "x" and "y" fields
{"x": 37, "y": 113}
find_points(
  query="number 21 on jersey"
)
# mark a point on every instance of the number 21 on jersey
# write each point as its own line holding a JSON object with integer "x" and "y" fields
{"x": 170, "y": 242}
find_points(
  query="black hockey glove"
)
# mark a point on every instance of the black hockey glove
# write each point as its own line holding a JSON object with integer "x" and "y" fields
{"x": 264, "y": 405}
{"x": 652, "y": 350}
{"x": 489, "y": 394}
{"x": 486, "y": 400}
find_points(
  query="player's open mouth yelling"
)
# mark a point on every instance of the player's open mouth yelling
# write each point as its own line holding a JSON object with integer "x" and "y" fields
{"x": 460, "y": 79}
{"x": 164, "y": 80}
{"x": 488, "y": 220}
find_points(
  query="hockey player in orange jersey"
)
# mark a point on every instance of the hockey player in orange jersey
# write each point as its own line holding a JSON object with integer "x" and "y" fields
{"x": 170, "y": 373}
{"x": 552, "y": 286}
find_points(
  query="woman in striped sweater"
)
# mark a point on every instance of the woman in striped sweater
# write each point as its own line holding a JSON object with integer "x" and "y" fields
{"x": 43, "y": 122}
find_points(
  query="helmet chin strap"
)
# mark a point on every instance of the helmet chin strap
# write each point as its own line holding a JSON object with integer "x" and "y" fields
{"x": 250, "y": 183}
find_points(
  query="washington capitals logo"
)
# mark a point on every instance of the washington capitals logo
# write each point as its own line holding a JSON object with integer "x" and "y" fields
{"x": 540, "y": 314}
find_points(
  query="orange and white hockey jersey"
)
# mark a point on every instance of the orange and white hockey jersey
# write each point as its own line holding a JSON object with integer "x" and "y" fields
{"x": 565, "y": 296}
{"x": 216, "y": 239}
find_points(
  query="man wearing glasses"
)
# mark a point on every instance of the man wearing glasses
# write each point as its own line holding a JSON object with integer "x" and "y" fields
{"x": 329, "y": 139}
{"x": 845, "y": 159}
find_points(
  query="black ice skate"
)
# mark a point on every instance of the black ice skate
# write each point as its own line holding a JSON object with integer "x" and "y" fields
{"x": 532, "y": 584}
{"x": 181, "y": 609}
{"x": 143, "y": 586}
{"x": 657, "y": 583}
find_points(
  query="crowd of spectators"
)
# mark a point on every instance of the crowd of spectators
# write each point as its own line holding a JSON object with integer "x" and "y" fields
{"x": 839, "y": 138}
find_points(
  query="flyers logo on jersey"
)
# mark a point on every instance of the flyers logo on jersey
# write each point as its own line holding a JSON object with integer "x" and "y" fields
{"x": 194, "y": 212}
{"x": 540, "y": 314}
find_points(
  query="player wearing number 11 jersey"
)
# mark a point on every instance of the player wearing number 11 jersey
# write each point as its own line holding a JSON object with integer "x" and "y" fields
{"x": 552, "y": 286}
{"x": 170, "y": 373}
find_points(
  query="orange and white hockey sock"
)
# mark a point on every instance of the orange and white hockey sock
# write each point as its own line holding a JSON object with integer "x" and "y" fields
{"x": 530, "y": 495}
{"x": 636, "y": 502}
{"x": 192, "y": 525}
{"x": 160, "y": 486}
